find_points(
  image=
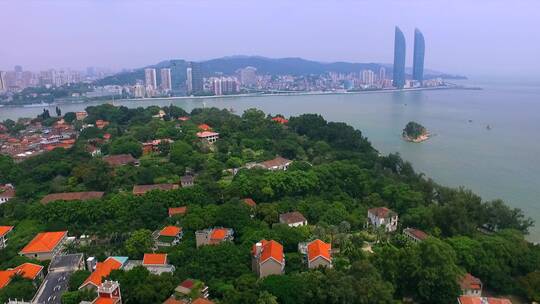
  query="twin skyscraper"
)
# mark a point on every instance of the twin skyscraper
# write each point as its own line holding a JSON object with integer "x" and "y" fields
{"x": 399, "y": 58}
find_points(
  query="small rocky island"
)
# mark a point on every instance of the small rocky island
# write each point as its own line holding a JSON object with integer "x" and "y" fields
{"x": 415, "y": 132}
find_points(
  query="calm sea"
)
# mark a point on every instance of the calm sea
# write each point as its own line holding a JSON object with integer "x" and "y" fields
{"x": 502, "y": 162}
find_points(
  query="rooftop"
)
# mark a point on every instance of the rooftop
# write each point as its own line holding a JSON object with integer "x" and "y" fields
{"x": 204, "y": 127}
{"x": 382, "y": 212}
{"x": 119, "y": 160}
{"x": 44, "y": 242}
{"x": 276, "y": 162}
{"x": 319, "y": 248}
{"x": 170, "y": 231}
{"x": 292, "y": 217}
{"x": 482, "y": 300}
{"x": 27, "y": 270}
{"x": 270, "y": 249}
{"x": 155, "y": 259}
{"x": 72, "y": 196}
{"x": 205, "y": 134}
{"x": 142, "y": 189}
{"x": 177, "y": 210}
{"x": 103, "y": 269}
{"x": 250, "y": 202}
{"x": 5, "y": 230}
{"x": 419, "y": 234}
{"x": 468, "y": 281}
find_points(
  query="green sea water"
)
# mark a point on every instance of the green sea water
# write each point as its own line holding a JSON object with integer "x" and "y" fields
{"x": 500, "y": 162}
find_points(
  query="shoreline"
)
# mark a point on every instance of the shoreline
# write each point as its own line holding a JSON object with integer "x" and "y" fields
{"x": 419, "y": 139}
{"x": 315, "y": 93}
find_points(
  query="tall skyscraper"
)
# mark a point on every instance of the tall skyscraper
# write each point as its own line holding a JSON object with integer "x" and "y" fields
{"x": 418, "y": 56}
{"x": 194, "y": 79}
{"x": 3, "y": 86}
{"x": 399, "y": 59}
{"x": 368, "y": 77}
{"x": 150, "y": 78}
{"x": 166, "y": 84}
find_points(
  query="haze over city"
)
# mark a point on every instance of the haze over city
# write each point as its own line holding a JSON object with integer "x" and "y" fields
{"x": 464, "y": 37}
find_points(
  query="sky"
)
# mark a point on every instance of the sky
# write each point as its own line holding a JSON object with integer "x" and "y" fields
{"x": 470, "y": 37}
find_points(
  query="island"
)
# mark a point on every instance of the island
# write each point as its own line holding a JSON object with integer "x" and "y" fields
{"x": 415, "y": 132}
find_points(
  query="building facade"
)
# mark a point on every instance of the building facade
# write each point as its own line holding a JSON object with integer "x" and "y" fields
{"x": 166, "y": 82}
{"x": 399, "y": 59}
{"x": 418, "y": 56}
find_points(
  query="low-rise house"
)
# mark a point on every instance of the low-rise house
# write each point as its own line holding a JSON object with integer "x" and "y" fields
{"x": 187, "y": 180}
{"x": 470, "y": 285}
{"x": 383, "y": 217}
{"x": 4, "y": 230}
{"x": 29, "y": 271}
{"x": 208, "y": 136}
{"x": 482, "y": 300}
{"x": 319, "y": 254}
{"x": 278, "y": 163}
{"x": 153, "y": 146}
{"x": 204, "y": 127}
{"x": 100, "y": 124}
{"x": 213, "y": 236}
{"x": 102, "y": 270}
{"x": 280, "y": 120}
{"x": 120, "y": 160}
{"x": 293, "y": 219}
{"x": 268, "y": 258}
{"x": 72, "y": 196}
{"x": 191, "y": 289}
{"x": 45, "y": 245}
{"x": 415, "y": 235}
{"x": 183, "y": 118}
{"x": 250, "y": 202}
{"x": 142, "y": 189}
{"x": 108, "y": 293}
{"x": 81, "y": 115}
{"x": 169, "y": 236}
{"x": 157, "y": 263}
{"x": 177, "y": 211}
{"x": 7, "y": 192}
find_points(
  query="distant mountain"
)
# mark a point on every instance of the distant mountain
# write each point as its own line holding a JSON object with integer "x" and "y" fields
{"x": 228, "y": 65}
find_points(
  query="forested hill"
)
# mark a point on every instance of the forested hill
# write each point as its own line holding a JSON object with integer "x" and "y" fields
{"x": 335, "y": 177}
{"x": 271, "y": 66}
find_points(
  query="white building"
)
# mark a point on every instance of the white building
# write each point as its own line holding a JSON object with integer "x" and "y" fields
{"x": 368, "y": 77}
{"x": 150, "y": 80}
{"x": 383, "y": 217}
{"x": 248, "y": 76}
{"x": 166, "y": 83}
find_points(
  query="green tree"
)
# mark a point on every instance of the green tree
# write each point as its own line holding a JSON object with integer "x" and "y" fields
{"x": 139, "y": 243}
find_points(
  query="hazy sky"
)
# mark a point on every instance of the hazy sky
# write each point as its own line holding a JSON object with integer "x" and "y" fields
{"x": 462, "y": 36}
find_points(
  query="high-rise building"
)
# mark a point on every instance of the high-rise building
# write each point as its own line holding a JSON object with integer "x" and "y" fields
{"x": 368, "y": 77}
{"x": 248, "y": 76}
{"x": 166, "y": 84}
{"x": 194, "y": 79}
{"x": 399, "y": 59}
{"x": 382, "y": 73}
{"x": 3, "y": 86}
{"x": 150, "y": 79}
{"x": 418, "y": 56}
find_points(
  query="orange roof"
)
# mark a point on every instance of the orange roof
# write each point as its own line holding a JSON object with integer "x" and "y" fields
{"x": 177, "y": 210}
{"x": 468, "y": 281}
{"x": 218, "y": 234}
{"x": 103, "y": 269}
{"x": 170, "y": 231}
{"x": 270, "y": 249}
{"x": 319, "y": 248}
{"x": 155, "y": 259}
{"x": 206, "y": 134}
{"x": 102, "y": 300}
{"x": 481, "y": 300}
{"x": 27, "y": 270}
{"x": 44, "y": 242}
{"x": 5, "y": 229}
{"x": 204, "y": 127}
{"x": 173, "y": 301}
{"x": 250, "y": 202}
{"x": 202, "y": 301}
{"x": 280, "y": 120}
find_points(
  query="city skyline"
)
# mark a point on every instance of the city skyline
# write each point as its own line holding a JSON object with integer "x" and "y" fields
{"x": 75, "y": 40}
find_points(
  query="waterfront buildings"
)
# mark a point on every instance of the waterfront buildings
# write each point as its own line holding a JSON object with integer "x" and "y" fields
{"x": 166, "y": 83}
{"x": 3, "y": 86}
{"x": 368, "y": 77}
{"x": 150, "y": 80}
{"x": 418, "y": 56}
{"x": 248, "y": 76}
{"x": 399, "y": 59}
{"x": 194, "y": 78}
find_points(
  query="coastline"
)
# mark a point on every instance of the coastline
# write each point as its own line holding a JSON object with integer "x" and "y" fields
{"x": 419, "y": 139}
{"x": 306, "y": 93}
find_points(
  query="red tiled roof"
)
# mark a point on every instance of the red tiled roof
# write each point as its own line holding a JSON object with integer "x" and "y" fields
{"x": 103, "y": 269}
{"x": 72, "y": 196}
{"x": 280, "y": 120}
{"x": 468, "y": 281}
{"x": 170, "y": 231}
{"x": 270, "y": 249}
{"x": 5, "y": 230}
{"x": 206, "y": 134}
{"x": 292, "y": 217}
{"x": 319, "y": 248}
{"x": 204, "y": 127}
{"x": 183, "y": 118}
{"x": 202, "y": 301}
{"x": 481, "y": 300}
{"x": 177, "y": 210}
{"x": 44, "y": 242}
{"x": 155, "y": 259}
{"x": 187, "y": 283}
{"x": 142, "y": 189}
{"x": 250, "y": 202}
{"x": 120, "y": 159}
{"x": 218, "y": 234}
{"x": 7, "y": 191}
{"x": 381, "y": 212}
{"x": 276, "y": 162}
{"x": 173, "y": 301}
{"x": 103, "y": 300}
{"x": 27, "y": 270}
{"x": 419, "y": 234}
